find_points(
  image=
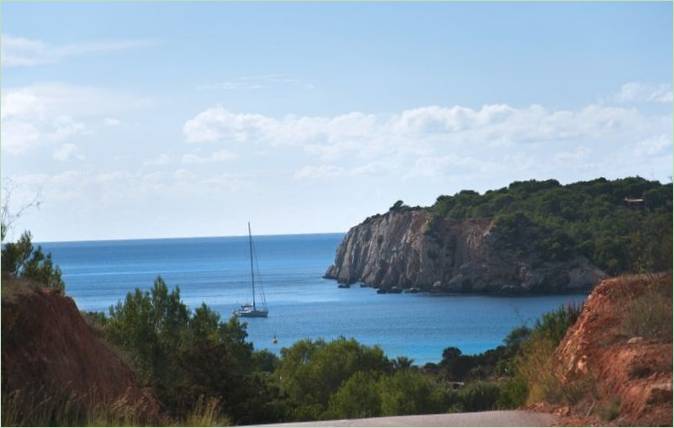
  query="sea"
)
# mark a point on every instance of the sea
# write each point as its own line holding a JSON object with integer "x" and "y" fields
{"x": 302, "y": 304}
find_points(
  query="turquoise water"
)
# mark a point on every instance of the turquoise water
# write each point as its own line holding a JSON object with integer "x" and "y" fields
{"x": 301, "y": 303}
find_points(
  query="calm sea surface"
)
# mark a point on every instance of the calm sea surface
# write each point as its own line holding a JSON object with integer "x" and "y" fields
{"x": 301, "y": 303}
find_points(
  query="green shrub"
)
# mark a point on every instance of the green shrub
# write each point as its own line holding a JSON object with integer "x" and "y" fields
{"x": 409, "y": 392}
{"x": 21, "y": 260}
{"x": 479, "y": 396}
{"x": 513, "y": 394}
{"x": 311, "y": 371}
{"x": 358, "y": 397}
{"x": 534, "y": 366}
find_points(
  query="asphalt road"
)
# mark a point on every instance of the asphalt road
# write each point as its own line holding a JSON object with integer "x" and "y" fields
{"x": 498, "y": 418}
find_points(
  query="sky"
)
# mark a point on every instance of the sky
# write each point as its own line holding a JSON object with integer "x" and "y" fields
{"x": 146, "y": 120}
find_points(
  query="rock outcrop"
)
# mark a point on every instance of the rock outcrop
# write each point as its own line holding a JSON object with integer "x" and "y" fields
{"x": 48, "y": 351}
{"x": 631, "y": 373}
{"x": 410, "y": 248}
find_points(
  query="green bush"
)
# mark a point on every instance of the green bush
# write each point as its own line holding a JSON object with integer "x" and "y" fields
{"x": 533, "y": 366}
{"x": 358, "y": 397}
{"x": 21, "y": 260}
{"x": 479, "y": 396}
{"x": 311, "y": 371}
{"x": 409, "y": 392}
{"x": 513, "y": 394}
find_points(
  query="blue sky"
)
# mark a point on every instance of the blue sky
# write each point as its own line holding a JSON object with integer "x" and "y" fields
{"x": 188, "y": 119}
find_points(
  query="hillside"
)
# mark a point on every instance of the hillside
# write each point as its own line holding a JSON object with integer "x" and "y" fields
{"x": 615, "y": 362}
{"x": 51, "y": 356}
{"x": 533, "y": 236}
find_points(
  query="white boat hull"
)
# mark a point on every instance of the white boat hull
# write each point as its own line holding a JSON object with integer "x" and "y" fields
{"x": 252, "y": 313}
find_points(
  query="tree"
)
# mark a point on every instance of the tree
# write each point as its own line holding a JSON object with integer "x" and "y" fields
{"x": 21, "y": 260}
{"x": 408, "y": 392}
{"x": 358, "y": 397}
{"x": 311, "y": 371}
{"x": 402, "y": 362}
{"x": 187, "y": 357}
{"x": 397, "y": 206}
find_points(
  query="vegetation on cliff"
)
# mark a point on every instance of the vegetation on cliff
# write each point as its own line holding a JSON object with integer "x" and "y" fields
{"x": 529, "y": 237}
{"x": 622, "y": 225}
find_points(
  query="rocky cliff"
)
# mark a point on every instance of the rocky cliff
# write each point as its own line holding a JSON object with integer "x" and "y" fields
{"x": 410, "y": 248}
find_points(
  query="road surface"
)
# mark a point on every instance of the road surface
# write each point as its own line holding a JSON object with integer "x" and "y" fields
{"x": 497, "y": 418}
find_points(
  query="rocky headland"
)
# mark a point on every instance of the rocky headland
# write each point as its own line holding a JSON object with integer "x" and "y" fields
{"x": 409, "y": 248}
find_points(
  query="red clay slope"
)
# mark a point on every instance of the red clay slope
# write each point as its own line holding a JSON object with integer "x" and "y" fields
{"x": 634, "y": 371}
{"x": 47, "y": 344}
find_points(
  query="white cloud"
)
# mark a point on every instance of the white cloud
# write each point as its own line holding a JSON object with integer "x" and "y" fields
{"x": 655, "y": 145}
{"x": 575, "y": 155}
{"x": 436, "y": 141}
{"x": 218, "y": 124}
{"x": 56, "y": 112}
{"x": 642, "y": 92}
{"x": 64, "y": 127}
{"x": 218, "y": 156}
{"x": 24, "y": 52}
{"x": 111, "y": 121}
{"x": 446, "y": 125}
{"x": 67, "y": 152}
{"x": 320, "y": 171}
{"x": 18, "y": 136}
{"x": 423, "y": 131}
{"x": 162, "y": 159}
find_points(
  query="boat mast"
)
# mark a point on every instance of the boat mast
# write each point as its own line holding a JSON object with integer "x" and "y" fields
{"x": 252, "y": 275}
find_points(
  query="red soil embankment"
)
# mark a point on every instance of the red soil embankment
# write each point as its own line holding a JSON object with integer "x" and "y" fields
{"x": 47, "y": 347}
{"x": 634, "y": 373}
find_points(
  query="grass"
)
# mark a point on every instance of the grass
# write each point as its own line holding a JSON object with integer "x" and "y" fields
{"x": 534, "y": 364}
{"x": 649, "y": 314}
{"x": 206, "y": 413}
{"x": 609, "y": 410}
{"x": 23, "y": 408}
{"x": 12, "y": 288}
{"x": 42, "y": 407}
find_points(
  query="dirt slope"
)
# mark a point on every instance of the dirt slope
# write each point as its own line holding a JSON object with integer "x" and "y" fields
{"x": 632, "y": 374}
{"x": 48, "y": 346}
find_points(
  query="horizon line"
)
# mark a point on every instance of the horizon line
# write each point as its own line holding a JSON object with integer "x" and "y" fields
{"x": 183, "y": 237}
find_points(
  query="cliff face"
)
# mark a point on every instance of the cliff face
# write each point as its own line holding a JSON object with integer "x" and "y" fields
{"x": 410, "y": 248}
{"x": 49, "y": 350}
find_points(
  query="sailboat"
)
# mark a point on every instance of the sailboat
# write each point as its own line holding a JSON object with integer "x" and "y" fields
{"x": 253, "y": 310}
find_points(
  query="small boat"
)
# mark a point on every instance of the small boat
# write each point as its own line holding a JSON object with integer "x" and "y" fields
{"x": 253, "y": 310}
{"x": 344, "y": 286}
{"x": 413, "y": 290}
{"x": 382, "y": 291}
{"x": 274, "y": 340}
